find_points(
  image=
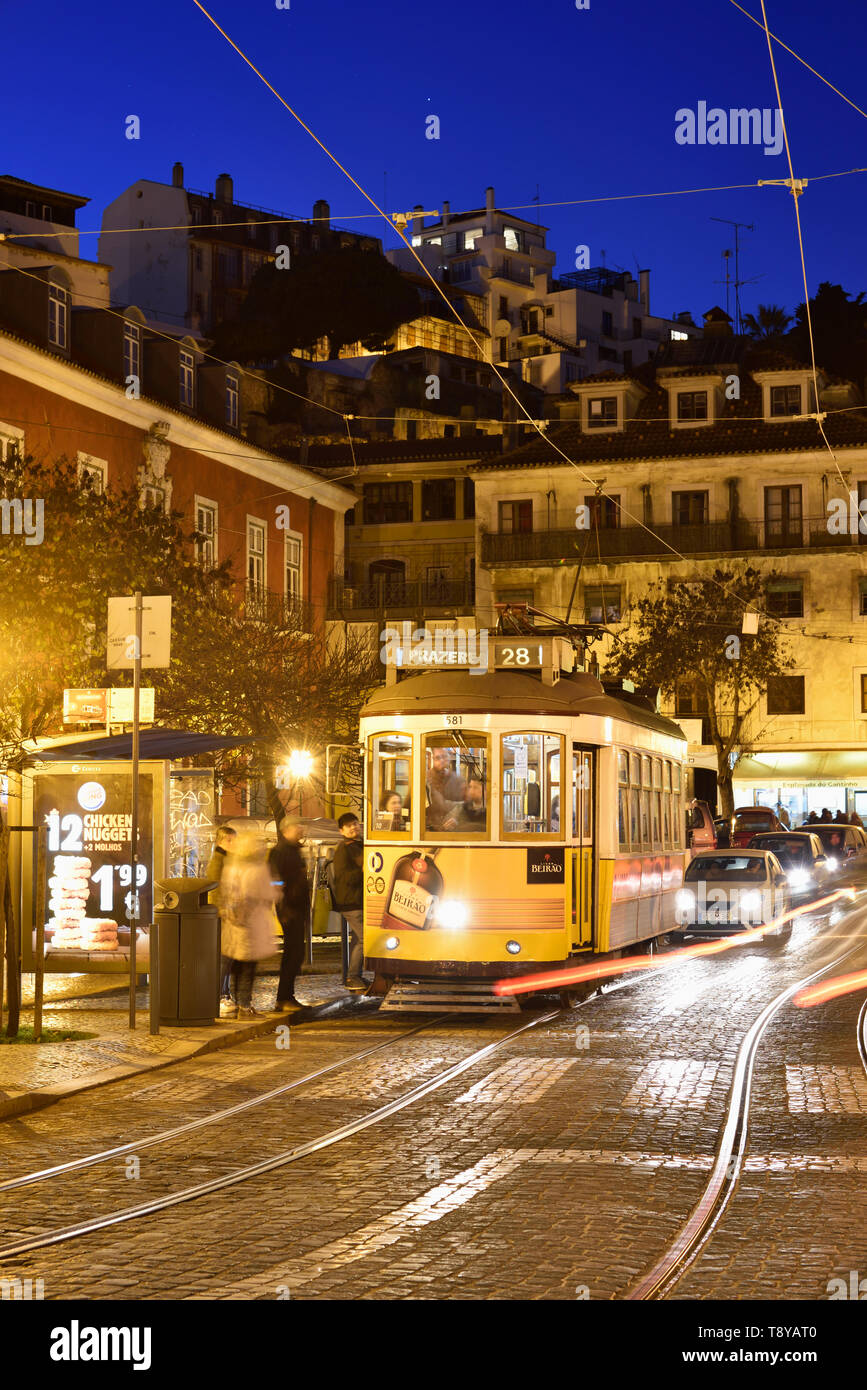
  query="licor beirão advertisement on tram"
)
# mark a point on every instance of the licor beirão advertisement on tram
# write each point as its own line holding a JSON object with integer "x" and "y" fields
{"x": 89, "y": 903}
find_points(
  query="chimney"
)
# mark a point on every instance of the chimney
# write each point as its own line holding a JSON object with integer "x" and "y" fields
{"x": 418, "y": 222}
{"x": 322, "y": 214}
{"x": 717, "y": 323}
{"x": 644, "y": 290}
{"x": 489, "y": 211}
{"x": 446, "y": 213}
{"x": 177, "y": 175}
{"x": 225, "y": 192}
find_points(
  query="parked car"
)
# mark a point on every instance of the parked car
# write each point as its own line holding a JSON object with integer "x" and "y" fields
{"x": 728, "y": 890}
{"x": 753, "y": 820}
{"x": 841, "y": 843}
{"x": 700, "y": 827}
{"x": 803, "y": 858}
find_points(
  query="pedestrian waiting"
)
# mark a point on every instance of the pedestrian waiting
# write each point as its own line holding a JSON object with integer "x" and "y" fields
{"x": 347, "y": 887}
{"x": 247, "y": 899}
{"x": 226, "y": 836}
{"x": 289, "y": 873}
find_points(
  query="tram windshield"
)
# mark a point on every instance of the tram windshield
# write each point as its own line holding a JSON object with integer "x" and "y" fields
{"x": 456, "y": 784}
{"x": 390, "y": 784}
{"x": 531, "y": 784}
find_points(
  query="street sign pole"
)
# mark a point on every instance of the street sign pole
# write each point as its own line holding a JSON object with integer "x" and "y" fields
{"x": 133, "y": 889}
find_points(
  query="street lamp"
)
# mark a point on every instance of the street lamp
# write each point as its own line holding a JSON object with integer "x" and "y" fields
{"x": 300, "y": 763}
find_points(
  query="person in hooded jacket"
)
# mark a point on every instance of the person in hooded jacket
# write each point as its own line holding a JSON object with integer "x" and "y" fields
{"x": 247, "y": 899}
{"x": 289, "y": 872}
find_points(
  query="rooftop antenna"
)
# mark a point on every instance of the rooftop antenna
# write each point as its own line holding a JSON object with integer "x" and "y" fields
{"x": 737, "y": 282}
{"x": 727, "y": 255}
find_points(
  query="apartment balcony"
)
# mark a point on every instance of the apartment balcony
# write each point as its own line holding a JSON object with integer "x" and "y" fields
{"x": 264, "y": 606}
{"x": 658, "y": 540}
{"x": 516, "y": 271}
{"x": 408, "y": 599}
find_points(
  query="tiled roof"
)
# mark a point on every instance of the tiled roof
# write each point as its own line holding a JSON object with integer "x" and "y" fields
{"x": 324, "y": 456}
{"x": 738, "y": 430}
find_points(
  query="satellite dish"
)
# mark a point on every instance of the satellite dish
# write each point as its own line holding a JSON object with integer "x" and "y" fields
{"x": 502, "y": 328}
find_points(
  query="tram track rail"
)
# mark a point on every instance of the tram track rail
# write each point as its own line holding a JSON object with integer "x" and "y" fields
{"x": 698, "y": 1231}
{"x": 299, "y": 1151}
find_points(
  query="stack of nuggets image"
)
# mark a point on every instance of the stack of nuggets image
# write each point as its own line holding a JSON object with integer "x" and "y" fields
{"x": 70, "y": 889}
{"x": 99, "y": 934}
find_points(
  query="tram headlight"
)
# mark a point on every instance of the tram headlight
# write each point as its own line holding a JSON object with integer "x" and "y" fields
{"x": 391, "y": 943}
{"x": 451, "y": 914}
{"x": 513, "y": 947}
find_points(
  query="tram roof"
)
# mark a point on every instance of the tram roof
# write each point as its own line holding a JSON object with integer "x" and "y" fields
{"x": 507, "y": 692}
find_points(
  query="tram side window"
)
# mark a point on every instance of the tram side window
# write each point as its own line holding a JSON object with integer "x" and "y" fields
{"x": 531, "y": 784}
{"x": 390, "y": 784}
{"x": 456, "y": 784}
{"x": 623, "y": 799}
{"x": 676, "y": 822}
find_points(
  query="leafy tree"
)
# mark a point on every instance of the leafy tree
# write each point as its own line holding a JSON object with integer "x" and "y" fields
{"x": 768, "y": 324}
{"x": 343, "y": 295}
{"x": 689, "y": 631}
{"x": 839, "y": 332}
{"x": 53, "y": 594}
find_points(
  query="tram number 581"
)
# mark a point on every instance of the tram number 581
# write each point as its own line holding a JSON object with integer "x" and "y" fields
{"x": 452, "y": 720}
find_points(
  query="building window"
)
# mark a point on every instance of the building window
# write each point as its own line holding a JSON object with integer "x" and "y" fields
{"x": 93, "y": 472}
{"x": 388, "y": 581}
{"x": 386, "y": 503}
{"x": 30, "y": 209}
{"x": 514, "y": 597}
{"x": 47, "y": 212}
{"x": 862, "y": 590}
{"x": 603, "y": 512}
{"x": 187, "y": 379}
{"x": 786, "y": 695}
{"x": 515, "y": 516}
{"x": 206, "y": 525}
{"x": 198, "y": 258}
{"x": 689, "y": 698}
{"x": 232, "y": 399}
{"x": 411, "y": 430}
{"x": 602, "y": 603}
{"x": 783, "y": 515}
{"x": 504, "y": 349}
{"x": 131, "y": 350}
{"x": 504, "y": 307}
{"x": 864, "y": 694}
{"x": 689, "y": 508}
{"x": 785, "y": 598}
{"x": 438, "y": 499}
{"x": 692, "y": 405}
{"x": 602, "y": 412}
{"x": 11, "y": 442}
{"x": 257, "y": 532}
{"x": 636, "y": 328}
{"x": 785, "y": 400}
{"x": 469, "y": 498}
{"x": 607, "y": 324}
{"x": 58, "y": 316}
{"x": 292, "y": 568}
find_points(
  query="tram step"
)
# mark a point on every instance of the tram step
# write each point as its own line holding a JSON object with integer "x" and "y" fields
{"x": 434, "y": 996}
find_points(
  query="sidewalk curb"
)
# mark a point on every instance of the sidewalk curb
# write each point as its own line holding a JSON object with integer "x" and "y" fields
{"x": 24, "y": 1102}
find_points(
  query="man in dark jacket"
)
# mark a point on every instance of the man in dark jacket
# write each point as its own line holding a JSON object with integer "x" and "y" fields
{"x": 347, "y": 887}
{"x": 216, "y": 864}
{"x": 293, "y": 908}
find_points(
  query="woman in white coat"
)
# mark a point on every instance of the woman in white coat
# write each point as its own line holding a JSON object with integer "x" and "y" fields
{"x": 247, "y": 898}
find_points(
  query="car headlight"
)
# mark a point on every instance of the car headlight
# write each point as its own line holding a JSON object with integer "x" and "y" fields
{"x": 831, "y": 862}
{"x": 751, "y": 900}
{"x": 452, "y": 915}
{"x": 799, "y": 878}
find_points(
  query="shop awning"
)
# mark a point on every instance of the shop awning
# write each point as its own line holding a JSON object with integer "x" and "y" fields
{"x": 840, "y": 767}
{"x": 153, "y": 743}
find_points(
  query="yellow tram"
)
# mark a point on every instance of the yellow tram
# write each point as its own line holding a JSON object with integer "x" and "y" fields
{"x": 516, "y": 819}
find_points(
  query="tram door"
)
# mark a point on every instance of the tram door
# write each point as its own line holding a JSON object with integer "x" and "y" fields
{"x": 583, "y": 821}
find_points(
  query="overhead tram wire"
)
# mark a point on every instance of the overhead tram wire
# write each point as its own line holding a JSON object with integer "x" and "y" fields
{"x": 572, "y": 463}
{"x": 801, "y": 60}
{"x": 796, "y": 192}
{"x": 365, "y": 216}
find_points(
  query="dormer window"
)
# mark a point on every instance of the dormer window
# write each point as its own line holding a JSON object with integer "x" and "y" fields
{"x": 131, "y": 350}
{"x": 232, "y": 396}
{"x": 187, "y": 379}
{"x": 601, "y": 412}
{"x": 786, "y": 400}
{"x": 691, "y": 405}
{"x": 58, "y": 316}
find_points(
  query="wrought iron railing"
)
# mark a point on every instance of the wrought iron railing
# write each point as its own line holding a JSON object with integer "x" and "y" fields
{"x": 417, "y": 595}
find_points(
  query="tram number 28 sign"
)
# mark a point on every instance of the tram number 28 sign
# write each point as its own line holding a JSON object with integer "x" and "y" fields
{"x": 89, "y": 818}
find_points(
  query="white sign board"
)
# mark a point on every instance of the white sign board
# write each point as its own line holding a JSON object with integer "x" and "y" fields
{"x": 521, "y": 760}
{"x": 120, "y": 704}
{"x": 156, "y": 632}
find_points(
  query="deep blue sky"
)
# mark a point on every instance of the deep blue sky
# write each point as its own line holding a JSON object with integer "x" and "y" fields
{"x": 581, "y": 103}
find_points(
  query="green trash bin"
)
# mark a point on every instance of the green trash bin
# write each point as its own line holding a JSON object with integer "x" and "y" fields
{"x": 189, "y": 952}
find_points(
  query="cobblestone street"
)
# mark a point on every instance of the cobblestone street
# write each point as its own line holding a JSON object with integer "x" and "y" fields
{"x": 559, "y": 1165}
